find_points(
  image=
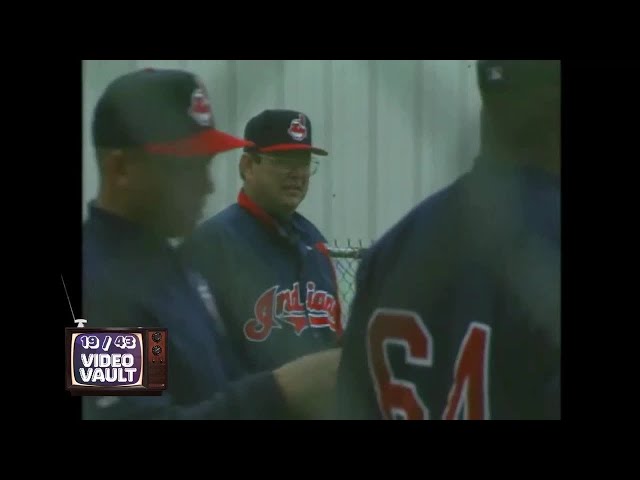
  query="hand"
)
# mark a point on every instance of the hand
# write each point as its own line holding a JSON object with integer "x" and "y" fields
{"x": 308, "y": 383}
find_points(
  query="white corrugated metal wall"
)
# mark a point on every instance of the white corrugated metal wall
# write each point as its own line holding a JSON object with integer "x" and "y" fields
{"x": 396, "y": 130}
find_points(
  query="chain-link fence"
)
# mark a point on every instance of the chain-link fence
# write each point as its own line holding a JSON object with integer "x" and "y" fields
{"x": 346, "y": 260}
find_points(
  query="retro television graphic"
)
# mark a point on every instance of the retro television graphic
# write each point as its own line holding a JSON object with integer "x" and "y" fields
{"x": 116, "y": 361}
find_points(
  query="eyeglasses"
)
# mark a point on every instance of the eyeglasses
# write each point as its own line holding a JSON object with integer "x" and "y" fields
{"x": 287, "y": 164}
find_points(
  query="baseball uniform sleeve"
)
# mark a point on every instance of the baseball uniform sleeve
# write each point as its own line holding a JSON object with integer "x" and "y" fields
{"x": 235, "y": 400}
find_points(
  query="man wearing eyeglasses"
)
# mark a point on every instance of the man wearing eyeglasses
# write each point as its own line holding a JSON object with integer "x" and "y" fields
{"x": 155, "y": 138}
{"x": 267, "y": 264}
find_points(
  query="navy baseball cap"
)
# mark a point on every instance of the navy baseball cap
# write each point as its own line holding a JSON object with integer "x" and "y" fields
{"x": 280, "y": 131}
{"x": 514, "y": 75}
{"x": 161, "y": 111}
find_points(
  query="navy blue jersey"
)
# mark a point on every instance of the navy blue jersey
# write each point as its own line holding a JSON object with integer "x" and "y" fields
{"x": 134, "y": 279}
{"x": 457, "y": 309}
{"x": 274, "y": 282}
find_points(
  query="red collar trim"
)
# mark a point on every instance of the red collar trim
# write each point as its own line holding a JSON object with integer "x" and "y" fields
{"x": 254, "y": 209}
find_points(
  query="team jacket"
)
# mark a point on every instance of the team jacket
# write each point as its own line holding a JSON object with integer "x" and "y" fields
{"x": 274, "y": 282}
{"x": 134, "y": 279}
{"x": 457, "y": 309}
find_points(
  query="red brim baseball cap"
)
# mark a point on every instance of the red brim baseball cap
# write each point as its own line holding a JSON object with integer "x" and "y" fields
{"x": 164, "y": 112}
{"x": 284, "y": 147}
{"x": 281, "y": 131}
{"x": 207, "y": 142}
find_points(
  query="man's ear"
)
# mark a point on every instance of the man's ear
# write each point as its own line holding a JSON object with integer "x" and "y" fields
{"x": 117, "y": 166}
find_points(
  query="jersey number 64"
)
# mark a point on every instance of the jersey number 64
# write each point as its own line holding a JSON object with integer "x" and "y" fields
{"x": 398, "y": 398}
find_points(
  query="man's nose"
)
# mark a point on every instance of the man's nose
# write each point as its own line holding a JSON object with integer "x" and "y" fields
{"x": 210, "y": 186}
{"x": 298, "y": 171}
{"x": 206, "y": 184}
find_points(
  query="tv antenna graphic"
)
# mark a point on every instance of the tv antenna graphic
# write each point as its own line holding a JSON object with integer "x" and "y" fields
{"x": 79, "y": 321}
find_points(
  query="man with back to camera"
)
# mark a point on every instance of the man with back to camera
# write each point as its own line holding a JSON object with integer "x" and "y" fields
{"x": 154, "y": 135}
{"x": 266, "y": 263}
{"x": 457, "y": 308}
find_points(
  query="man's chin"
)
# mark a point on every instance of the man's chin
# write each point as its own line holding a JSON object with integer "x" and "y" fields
{"x": 183, "y": 229}
{"x": 293, "y": 199}
{"x": 290, "y": 205}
